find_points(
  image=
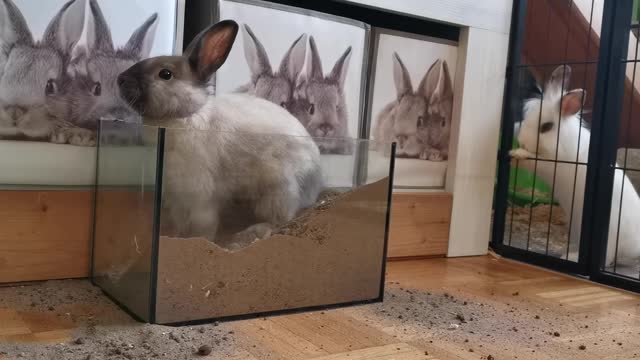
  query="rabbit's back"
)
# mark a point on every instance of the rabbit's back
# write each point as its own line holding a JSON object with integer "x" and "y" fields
{"x": 245, "y": 146}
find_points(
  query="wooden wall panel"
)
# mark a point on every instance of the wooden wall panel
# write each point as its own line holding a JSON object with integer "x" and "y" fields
{"x": 44, "y": 234}
{"x": 556, "y": 32}
{"x": 420, "y": 224}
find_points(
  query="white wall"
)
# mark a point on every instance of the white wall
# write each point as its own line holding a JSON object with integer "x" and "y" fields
{"x": 492, "y": 15}
{"x": 477, "y": 110}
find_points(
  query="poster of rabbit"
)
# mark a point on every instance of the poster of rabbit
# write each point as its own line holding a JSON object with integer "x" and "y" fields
{"x": 311, "y": 64}
{"x": 411, "y": 103}
{"x": 59, "y": 60}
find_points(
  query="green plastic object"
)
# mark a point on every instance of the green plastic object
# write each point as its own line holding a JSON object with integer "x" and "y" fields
{"x": 526, "y": 189}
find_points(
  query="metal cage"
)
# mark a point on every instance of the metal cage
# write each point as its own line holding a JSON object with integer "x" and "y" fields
{"x": 568, "y": 204}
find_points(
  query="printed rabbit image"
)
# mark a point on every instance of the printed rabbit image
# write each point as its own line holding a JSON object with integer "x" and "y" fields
{"x": 553, "y": 118}
{"x": 243, "y": 158}
{"x": 276, "y": 87}
{"x": 319, "y": 103}
{"x": 35, "y": 72}
{"x": 92, "y": 93}
{"x": 419, "y": 121}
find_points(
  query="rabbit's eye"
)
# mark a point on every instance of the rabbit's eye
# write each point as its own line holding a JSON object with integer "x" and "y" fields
{"x": 165, "y": 74}
{"x": 546, "y": 127}
{"x": 97, "y": 89}
{"x": 312, "y": 109}
{"x": 50, "y": 88}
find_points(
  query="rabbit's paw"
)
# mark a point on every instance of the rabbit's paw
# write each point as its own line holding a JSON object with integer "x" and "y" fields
{"x": 82, "y": 137}
{"x": 250, "y": 235}
{"x": 520, "y": 154}
{"x": 74, "y": 136}
{"x": 432, "y": 155}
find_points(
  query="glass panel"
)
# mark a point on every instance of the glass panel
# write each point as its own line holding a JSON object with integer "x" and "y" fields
{"x": 247, "y": 230}
{"x": 125, "y": 195}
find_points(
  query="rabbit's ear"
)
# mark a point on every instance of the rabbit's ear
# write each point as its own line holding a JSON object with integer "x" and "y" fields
{"x": 401, "y": 77}
{"x": 293, "y": 60}
{"x": 141, "y": 41}
{"x": 256, "y": 55}
{"x": 314, "y": 64}
{"x": 78, "y": 64}
{"x": 98, "y": 32}
{"x": 65, "y": 29}
{"x": 436, "y": 85}
{"x": 572, "y": 102}
{"x": 339, "y": 72}
{"x": 210, "y": 49}
{"x": 560, "y": 78}
{"x": 13, "y": 27}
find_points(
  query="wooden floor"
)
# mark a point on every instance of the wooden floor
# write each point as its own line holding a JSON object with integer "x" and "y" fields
{"x": 521, "y": 296}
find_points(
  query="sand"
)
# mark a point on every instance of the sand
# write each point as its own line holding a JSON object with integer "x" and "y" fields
{"x": 330, "y": 254}
{"x": 500, "y": 323}
{"x": 537, "y": 225}
{"x": 98, "y": 329}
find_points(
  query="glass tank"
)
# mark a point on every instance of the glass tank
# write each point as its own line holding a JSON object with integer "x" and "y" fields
{"x": 191, "y": 228}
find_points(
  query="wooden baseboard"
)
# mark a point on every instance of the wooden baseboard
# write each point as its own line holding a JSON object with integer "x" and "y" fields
{"x": 44, "y": 235}
{"x": 420, "y": 225}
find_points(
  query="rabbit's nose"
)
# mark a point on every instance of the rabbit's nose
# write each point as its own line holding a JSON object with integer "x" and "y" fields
{"x": 401, "y": 140}
{"x": 325, "y": 128}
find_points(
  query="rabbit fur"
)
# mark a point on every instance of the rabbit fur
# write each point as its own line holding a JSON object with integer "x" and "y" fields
{"x": 560, "y": 110}
{"x": 319, "y": 103}
{"x": 35, "y": 71}
{"x": 93, "y": 94}
{"x": 276, "y": 87}
{"x": 252, "y": 150}
{"x": 419, "y": 121}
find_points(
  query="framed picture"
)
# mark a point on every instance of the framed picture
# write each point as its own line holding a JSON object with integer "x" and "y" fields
{"x": 310, "y": 63}
{"x": 410, "y": 103}
{"x": 58, "y": 67}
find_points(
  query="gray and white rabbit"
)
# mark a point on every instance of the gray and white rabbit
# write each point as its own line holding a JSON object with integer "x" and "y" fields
{"x": 435, "y": 130}
{"x": 93, "y": 94}
{"x": 320, "y": 104}
{"x": 222, "y": 149}
{"x": 555, "y": 117}
{"x": 35, "y": 71}
{"x": 277, "y": 87}
{"x": 410, "y": 118}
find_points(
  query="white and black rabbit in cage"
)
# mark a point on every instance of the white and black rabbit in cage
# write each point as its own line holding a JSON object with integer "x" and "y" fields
{"x": 219, "y": 149}
{"x": 553, "y": 115}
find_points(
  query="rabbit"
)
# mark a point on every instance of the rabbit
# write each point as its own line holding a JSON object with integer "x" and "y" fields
{"x": 276, "y": 87}
{"x": 227, "y": 148}
{"x": 404, "y": 118}
{"x": 34, "y": 71}
{"x": 319, "y": 103}
{"x": 92, "y": 94}
{"x": 434, "y": 131}
{"x": 559, "y": 110}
